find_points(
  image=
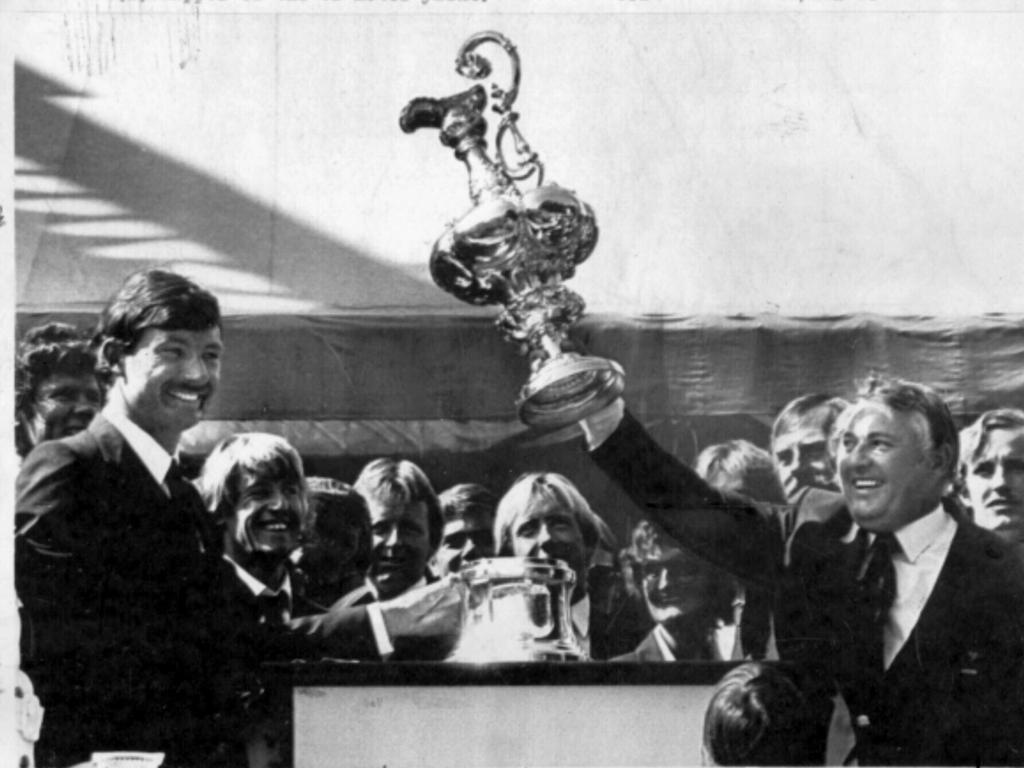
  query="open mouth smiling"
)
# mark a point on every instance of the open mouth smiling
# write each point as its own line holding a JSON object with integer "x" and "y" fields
{"x": 272, "y": 522}
{"x": 864, "y": 484}
{"x": 190, "y": 396}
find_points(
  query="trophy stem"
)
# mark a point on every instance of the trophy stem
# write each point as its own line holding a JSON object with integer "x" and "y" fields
{"x": 568, "y": 388}
{"x": 551, "y": 347}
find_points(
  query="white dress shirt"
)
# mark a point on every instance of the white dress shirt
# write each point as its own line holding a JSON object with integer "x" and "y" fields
{"x": 258, "y": 588}
{"x": 154, "y": 458}
{"x": 380, "y": 630}
{"x": 580, "y": 611}
{"x": 924, "y": 545}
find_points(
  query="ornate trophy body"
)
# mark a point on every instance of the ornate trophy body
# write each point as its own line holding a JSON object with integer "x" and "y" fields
{"x": 515, "y": 248}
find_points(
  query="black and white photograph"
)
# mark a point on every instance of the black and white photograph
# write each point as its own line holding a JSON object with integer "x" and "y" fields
{"x": 502, "y": 383}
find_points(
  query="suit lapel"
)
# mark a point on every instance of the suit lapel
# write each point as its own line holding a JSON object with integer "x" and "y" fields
{"x": 133, "y": 485}
{"x": 939, "y": 625}
{"x": 143, "y": 495}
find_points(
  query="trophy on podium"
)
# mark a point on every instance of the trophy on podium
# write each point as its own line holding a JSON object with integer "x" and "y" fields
{"x": 514, "y": 247}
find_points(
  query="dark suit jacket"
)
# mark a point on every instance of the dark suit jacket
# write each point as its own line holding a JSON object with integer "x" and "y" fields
{"x": 129, "y": 639}
{"x": 953, "y": 695}
{"x": 115, "y": 585}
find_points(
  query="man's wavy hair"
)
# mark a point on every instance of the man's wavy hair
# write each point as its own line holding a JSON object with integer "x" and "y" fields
{"x": 913, "y": 397}
{"x": 796, "y": 410}
{"x": 766, "y": 714}
{"x": 401, "y": 481}
{"x": 974, "y": 438}
{"x": 467, "y": 500}
{"x": 53, "y": 349}
{"x": 153, "y": 298}
{"x": 258, "y": 454}
{"x": 649, "y": 543}
{"x": 532, "y": 489}
{"x": 45, "y": 351}
{"x": 741, "y": 466}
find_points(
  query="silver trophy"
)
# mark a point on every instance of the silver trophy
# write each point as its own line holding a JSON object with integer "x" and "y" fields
{"x": 515, "y": 247}
{"x": 517, "y": 609}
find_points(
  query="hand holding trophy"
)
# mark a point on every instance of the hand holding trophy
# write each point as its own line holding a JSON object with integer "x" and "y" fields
{"x": 515, "y": 248}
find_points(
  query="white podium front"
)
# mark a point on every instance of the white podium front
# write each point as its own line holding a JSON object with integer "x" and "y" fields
{"x": 562, "y": 714}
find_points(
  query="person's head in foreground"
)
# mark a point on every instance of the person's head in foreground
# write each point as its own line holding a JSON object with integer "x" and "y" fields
{"x": 765, "y": 713}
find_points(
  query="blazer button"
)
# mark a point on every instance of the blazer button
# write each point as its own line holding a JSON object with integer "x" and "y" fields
{"x": 863, "y": 721}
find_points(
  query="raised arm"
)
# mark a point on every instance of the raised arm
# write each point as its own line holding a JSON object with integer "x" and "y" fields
{"x": 732, "y": 531}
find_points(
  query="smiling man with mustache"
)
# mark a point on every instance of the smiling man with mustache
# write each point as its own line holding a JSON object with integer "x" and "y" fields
{"x": 112, "y": 546}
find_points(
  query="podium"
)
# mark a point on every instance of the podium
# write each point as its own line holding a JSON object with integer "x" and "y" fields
{"x": 506, "y": 714}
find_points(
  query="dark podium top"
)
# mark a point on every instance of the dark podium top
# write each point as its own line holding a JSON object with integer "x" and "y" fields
{"x": 332, "y": 673}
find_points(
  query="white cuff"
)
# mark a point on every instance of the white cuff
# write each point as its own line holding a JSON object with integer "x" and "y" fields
{"x": 380, "y": 630}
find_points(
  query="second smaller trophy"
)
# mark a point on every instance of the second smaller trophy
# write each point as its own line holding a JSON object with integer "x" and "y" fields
{"x": 515, "y": 248}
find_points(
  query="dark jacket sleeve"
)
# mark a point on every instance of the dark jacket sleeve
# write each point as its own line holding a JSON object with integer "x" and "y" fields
{"x": 732, "y": 531}
{"x": 52, "y": 578}
{"x": 49, "y": 488}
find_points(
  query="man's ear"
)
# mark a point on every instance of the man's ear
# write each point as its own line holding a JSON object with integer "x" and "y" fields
{"x": 943, "y": 458}
{"x": 111, "y": 353}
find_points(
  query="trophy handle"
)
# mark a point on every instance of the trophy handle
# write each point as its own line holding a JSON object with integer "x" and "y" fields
{"x": 525, "y": 162}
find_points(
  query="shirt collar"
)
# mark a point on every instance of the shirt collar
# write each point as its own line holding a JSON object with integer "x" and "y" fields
{"x": 256, "y": 586}
{"x": 581, "y": 616}
{"x": 376, "y": 595}
{"x": 154, "y": 458}
{"x": 917, "y": 536}
{"x": 664, "y": 642}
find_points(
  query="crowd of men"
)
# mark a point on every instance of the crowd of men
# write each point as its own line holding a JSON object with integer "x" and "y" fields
{"x": 873, "y": 548}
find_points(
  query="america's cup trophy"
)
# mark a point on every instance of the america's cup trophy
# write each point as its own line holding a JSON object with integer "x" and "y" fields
{"x": 515, "y": 247}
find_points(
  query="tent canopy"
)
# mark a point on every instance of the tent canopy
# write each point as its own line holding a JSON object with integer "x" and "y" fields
{"x": 787, "y": 202}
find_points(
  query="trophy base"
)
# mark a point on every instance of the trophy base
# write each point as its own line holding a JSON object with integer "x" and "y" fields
{"x": 568, "y": 388}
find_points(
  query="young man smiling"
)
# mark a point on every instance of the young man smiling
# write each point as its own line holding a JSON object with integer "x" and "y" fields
{"x": 111, "y": 547}
{"x": 255, "y": 486}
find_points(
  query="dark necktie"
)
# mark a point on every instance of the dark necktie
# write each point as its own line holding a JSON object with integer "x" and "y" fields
{"x": 186, "y": 500}
{"x": 274, "y": 607}
{"x": 176, "y": 483}
{"x": 876, "y": 581}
